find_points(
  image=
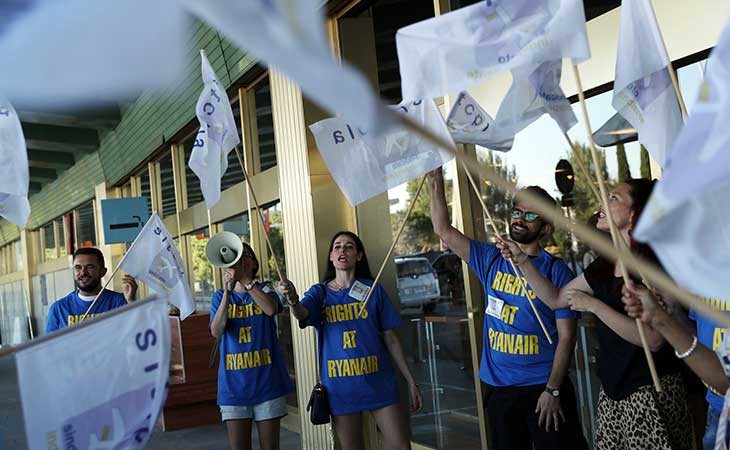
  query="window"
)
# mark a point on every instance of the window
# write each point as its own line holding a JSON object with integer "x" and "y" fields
{"x": 202, "y": 273}
{"x": 238, "y": 225}
{"x": 48, "y": 240}
{"x": 167, "y": 184}
{"x": 234, "y": 174}
{"x": 145, "y": 191}
{"x": 85, "y": 226}
{"x": 61, "y": 233}
{"x": 263, "y": 124}
{"x": 192, "y": 182}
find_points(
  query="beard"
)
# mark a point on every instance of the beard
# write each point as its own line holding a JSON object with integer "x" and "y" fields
{"x": 523, "y": 236}
{"x": 89, "y": 284}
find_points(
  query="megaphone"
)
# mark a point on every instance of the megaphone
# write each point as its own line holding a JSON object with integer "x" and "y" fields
{"x": 224, "y": 249}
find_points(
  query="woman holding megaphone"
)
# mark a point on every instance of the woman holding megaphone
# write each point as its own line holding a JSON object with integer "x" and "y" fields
{"x": 252, "y": 379}
{"x": 356, "y": 349}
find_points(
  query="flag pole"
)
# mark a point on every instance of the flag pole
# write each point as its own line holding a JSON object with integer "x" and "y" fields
{"x": 392, "y": 246}
{"x": 615, "y": 236}
{"x": 594, "y": 239}
{"x": 670, "y": 66}
{"x": 259, "y": 213}
{"x": 520, "y": 276}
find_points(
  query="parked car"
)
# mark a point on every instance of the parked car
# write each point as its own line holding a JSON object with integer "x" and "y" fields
{"x": 418, "y": 284}
{"x": 449, "y": 271}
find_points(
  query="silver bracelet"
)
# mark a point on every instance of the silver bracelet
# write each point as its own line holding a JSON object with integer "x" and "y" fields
{"x": 688, "y": 352}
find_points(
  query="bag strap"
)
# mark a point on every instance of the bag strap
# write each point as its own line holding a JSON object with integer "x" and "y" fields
{"x": 320, "y": 330}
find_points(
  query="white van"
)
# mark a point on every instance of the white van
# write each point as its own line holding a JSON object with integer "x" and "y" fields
{"x": 418, "y": 284}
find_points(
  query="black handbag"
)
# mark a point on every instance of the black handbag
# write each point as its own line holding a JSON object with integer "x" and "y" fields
{"x": 319, "y": 405}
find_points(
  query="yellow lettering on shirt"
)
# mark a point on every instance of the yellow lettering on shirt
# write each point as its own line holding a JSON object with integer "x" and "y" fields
{"x": 348, "y": 339}
{"x": 510, "y": 284}
{"x": 73, "y": 319}
{"x": 344, "y": 313}
{"x": 352, "y": 367}
{"x": 508, "y": 314}
{"x": 248, "y": 360}
{"x": 243, "y": 311}
{"x": 513, "y": 344}
{"x": 244, "y": 335}
{"x": 717, "y": 337}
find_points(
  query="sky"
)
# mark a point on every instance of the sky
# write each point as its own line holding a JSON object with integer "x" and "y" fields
{"x": 539, "y": 147}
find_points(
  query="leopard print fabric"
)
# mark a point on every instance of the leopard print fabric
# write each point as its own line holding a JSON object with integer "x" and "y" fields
{"x": 646, "y": 419}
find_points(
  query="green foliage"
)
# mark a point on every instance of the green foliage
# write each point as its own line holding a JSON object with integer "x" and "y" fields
{"x": 645, "y": 164}
{"x": 418, "y": 235}
{"x": 277, "y": 242}
{"x": 202, "y": 270}
{"x": 624, "y": 173}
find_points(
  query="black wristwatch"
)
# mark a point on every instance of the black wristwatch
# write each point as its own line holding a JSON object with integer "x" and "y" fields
{"x": 554, "y": 392}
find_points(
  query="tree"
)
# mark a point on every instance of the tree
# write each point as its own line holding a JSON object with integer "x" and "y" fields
{"x": 645, "y": 164}
{"x": 624, "y": 172}
{"x": 277, "y": 242}
{"x": 418, "y": 235}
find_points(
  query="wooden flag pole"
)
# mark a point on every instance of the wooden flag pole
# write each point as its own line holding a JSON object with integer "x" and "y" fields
{"x": 591, "y": 237}
{"x": 520, "y": 276}
{"x": 392, "y": 246}
{"x": 615, "y": 235}
{"x": 259, "y": 213}
{"x": 670, "y": 67}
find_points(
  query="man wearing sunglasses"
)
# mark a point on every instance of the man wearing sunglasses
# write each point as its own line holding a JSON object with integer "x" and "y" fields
{"x": 530, "y": 401}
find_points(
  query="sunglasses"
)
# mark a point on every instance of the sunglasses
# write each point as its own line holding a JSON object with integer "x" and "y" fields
{"x": 528, "y": 216}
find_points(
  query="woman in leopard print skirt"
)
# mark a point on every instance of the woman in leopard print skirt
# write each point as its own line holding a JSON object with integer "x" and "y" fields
{"x": 630, "y": 414}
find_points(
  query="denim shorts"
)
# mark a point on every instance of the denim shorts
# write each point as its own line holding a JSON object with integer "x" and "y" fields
{"x": 271, "y": 409}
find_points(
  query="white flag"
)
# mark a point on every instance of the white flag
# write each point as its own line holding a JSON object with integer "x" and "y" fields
{"x": 289, "y": 35}
{"x": 110, "y": 381}
{"x": 366, "y": 164}
{"x": 81, "y": 51}
{"x": 218, "y": 135}
{"x": 534, "y": 92}
{"x": 643, "y": 92}
{"x": 154, "y": 260}
{"x": 14, "y": 177}
{"x": 454, "y": 51}
{"x": 469, "y": 123}
{"x": 687, "y": 219}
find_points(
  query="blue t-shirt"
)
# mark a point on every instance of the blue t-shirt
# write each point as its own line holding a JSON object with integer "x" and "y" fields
{"x": 355, "y": 364}
{"x": 515, "y": 350}
{"x": 710, "y": 334}
{"x": 70, "y": 309}
{"x": 251, "y": 369}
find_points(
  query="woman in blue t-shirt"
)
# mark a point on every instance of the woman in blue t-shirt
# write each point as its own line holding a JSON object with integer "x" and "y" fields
{"x": 252, "y": 378}
{"x": 356, "y": 350}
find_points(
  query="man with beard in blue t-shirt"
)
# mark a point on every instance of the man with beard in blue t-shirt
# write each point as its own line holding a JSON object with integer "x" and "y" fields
{"x": 89, "y": 269}
{"x": 530, "y": 401}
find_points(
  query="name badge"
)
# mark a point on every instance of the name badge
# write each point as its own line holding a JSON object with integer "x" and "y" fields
{"x": 494, "y": 308}
{"x": 358, "y": 291}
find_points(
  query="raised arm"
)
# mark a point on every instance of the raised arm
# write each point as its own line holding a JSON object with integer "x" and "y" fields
{"x": 268, "y": 305}
{"x": 289, "y": 292}
{"x": 454, "y": 238}
{"x": 641, "y": 303}
{"x": 545, "y": 290}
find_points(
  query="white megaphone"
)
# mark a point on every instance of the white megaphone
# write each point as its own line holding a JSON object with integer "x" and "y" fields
{"x": 224, "y": 249}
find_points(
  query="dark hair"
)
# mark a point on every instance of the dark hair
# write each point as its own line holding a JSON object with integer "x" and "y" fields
{"x": 362, "y": 267}
{"x": 640, "y": 191}
{"x": 540, "y": 192}
{"x": 91, "y": 251}
{"x": 247, "y": 249}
